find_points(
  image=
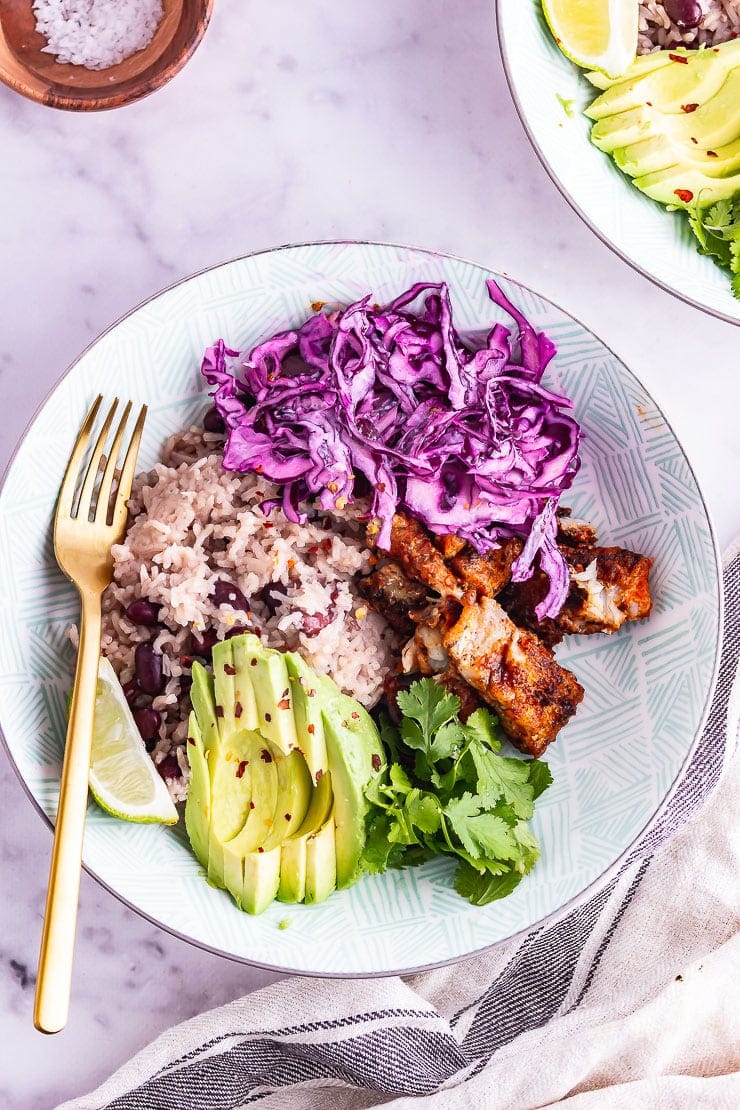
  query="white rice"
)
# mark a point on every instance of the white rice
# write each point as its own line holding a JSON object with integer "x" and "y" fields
{"x": 192, "y": 523}
{"x": 96, "y": 33}
{"x": 721, "y": 22}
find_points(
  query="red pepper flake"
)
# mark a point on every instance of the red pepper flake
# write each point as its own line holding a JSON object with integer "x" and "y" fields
{"x": 694, "y": 140}
{"x": 238, "y": 710}
{"x": 319, "y": 774}
{"x": 334, "y": 595}
{"x": 268, "y": 717}
{"x": 326, "y": 545}
{"x": 380, "y": 487}
{"x": 241, "y": 768}
{"x": 712, "y": 154}
{"x": 260, "y": 849}
{"x": 267, "y": 524}
{"x": 312, "y": 693}
{"x": 190, "y": 740}
{"x": 679, "y": 58}
{"x": 186, "y": 660}
{"x": 689, "y": 107}
{"x": 265, "y": 756}
{"x": 649, "y": 103}
{"x": 285, "y": 692}
{"x": 253, "y": 662}
{"x": 684, "y": 194}
{"x": 355, "y": 716}
{"x": 251, "y": 805}
{"x": 288, "y": 816}
{"x": 311, "y": 729}
{"x": 219, "y": 711}
{"x": 284, "y": 703}
{"x": 228, "y": 669}
{"x": 313, "y": 549}
{"x": 376, "y": 762}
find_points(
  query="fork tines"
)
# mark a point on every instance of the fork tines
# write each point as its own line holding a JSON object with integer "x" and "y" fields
{"x": 94, "y": 501}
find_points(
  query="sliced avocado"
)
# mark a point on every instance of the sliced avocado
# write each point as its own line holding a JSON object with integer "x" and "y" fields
{"x": 669, "y": 87}
{"x": 320, "y": 806}
{"x": 204, "y": 704}
{"x": 321, "y": 864}
{"x": 293, "y": 797}
{"x": 261, "y": 880}
{"x": 355, "y": 757}
{"x": 292, "y": 870}
{"x": 307, "y": 714}
{"x": 643, "y": 64}
{"x": 245, "y": 703}
{"x": 224, "y": 688}
{"x": 197, "y": 806}
{"x": 271, "y": 687}
{"x": 675, "y": 128}
{"x": 263, "y": 799}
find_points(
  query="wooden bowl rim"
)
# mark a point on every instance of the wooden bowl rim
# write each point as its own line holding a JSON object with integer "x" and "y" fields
{"x": 108, "y": 97}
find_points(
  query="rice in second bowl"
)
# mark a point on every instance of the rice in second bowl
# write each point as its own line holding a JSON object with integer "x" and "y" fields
{"x": 720, "y": 22}
{"x": 197, "y": 531}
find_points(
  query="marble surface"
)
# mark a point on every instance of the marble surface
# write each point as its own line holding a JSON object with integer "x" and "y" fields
{"x": 292, "y": 122}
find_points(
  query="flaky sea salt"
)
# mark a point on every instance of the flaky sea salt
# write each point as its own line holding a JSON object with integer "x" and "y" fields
{"x": 96, "y": 33}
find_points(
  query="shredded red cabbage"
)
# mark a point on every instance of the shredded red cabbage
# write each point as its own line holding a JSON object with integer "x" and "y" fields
{"x": 465, "y": 439}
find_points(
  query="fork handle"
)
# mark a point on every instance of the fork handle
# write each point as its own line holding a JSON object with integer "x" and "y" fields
{"x": 54, "y": 980}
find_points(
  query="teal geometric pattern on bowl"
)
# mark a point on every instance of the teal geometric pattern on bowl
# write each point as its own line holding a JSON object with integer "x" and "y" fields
{"x": 646, "y": 687}
{"x": 656, "y": 242}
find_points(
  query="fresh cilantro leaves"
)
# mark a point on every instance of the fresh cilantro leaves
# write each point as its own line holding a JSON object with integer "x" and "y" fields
{"x": 447, "y": 791}
{"x": 717, "y": 229}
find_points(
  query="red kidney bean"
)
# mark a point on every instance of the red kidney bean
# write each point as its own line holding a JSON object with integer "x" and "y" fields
{"x": 213, "y": 421}
{"x": 314, "y": 622}
{"x": 686, "y": 14}
{"x": 144, "y": 612}
{"x": 201, "y": 643}
{"x": 149, "y": 671}
{"x": 169, "y": 768}
{"x": 226, "y": 593}
{"x": 131, "y": 691}
{"x": 147, "y": 722}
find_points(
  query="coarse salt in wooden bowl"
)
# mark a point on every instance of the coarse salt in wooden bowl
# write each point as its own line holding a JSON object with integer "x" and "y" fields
{"x": 26, "y": 68}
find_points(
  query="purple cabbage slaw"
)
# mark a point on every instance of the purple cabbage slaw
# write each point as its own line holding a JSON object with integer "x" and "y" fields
{"x": 466, "y": 440}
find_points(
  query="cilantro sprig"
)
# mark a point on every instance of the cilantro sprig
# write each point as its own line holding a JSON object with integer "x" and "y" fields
{"x": 447, "y": 791}
{"x": 717, "y": 229}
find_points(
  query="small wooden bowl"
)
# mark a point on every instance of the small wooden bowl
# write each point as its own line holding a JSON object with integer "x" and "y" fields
{"x": 39, "y": 76}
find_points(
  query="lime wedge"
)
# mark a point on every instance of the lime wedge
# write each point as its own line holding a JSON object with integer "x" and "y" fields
{"x": 595, "y": 34}
{"x": 123, "y": 779}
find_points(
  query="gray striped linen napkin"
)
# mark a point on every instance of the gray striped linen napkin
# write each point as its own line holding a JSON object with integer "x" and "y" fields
{"x": 625, "y": 1001}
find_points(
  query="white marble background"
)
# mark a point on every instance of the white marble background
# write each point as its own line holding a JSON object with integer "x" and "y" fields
{"x": 292, "y": 122}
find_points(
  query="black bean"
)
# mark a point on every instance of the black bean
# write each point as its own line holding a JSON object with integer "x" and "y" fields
{"x": 149, "y": 671}
{"x": 213, "y": 421}
{"x": 686, "y": 14}
{"x": 169, "y": 768}
{"x": 202, "y": 642}
{"x": 268, "y": 595}
{"x": 226, "y": 593}
{"x": 147, "y": 722}
{"x": 142, "y": 611}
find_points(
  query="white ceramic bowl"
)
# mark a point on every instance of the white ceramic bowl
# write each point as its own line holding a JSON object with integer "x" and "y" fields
{"x": 647, "y": 687}
{"x": 657, "y": 243}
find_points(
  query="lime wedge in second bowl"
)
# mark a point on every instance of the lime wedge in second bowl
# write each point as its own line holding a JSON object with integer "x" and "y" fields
{"x": 595, "y": 34}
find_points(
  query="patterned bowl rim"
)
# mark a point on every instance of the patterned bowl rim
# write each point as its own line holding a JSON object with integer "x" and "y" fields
{"x": 609, "y": 872}
{"x": 600, "y": 235}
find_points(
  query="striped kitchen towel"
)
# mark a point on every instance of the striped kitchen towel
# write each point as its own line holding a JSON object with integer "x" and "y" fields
{"x": 628, "y": 1000}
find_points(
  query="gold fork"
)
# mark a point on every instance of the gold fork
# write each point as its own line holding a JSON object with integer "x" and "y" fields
{"x": 85, "y": 529}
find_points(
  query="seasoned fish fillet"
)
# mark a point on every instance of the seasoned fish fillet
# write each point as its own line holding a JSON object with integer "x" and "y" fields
{"x": 418, "y": 556}
{"x": 608, "y": 586}
{"x": 393, "y": 595}
{"x": 487, "y": 574}
{"x": 515, "y": 673}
